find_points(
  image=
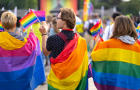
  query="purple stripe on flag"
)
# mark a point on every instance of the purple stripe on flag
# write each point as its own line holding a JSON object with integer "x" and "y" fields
{"x": 9, "y": 64}
{"x": 107, "y": 87}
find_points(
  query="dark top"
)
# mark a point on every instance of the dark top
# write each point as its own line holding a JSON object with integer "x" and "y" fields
{"x": 56, "y": 44}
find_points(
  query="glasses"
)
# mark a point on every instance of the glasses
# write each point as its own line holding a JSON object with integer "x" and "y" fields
{"x": 59, "y": 18}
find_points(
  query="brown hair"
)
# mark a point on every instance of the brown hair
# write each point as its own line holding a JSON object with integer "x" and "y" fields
{"x": 124, "y": 26}
{"x": 68, "y": 16}
{"x": 54, "y": 22}
{"x": 8, "y": 20}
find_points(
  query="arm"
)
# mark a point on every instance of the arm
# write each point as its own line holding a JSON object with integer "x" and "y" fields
{"x": 44, "y": 31}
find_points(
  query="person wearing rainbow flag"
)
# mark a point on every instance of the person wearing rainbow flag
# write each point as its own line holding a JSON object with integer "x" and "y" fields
{"x": 116, "y": 62}
{"x": 68, "y": 51}
{"x": 20, "y": 58}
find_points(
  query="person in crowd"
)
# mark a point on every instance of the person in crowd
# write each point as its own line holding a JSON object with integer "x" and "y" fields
{"x": 92, "y": 20}
{"x": 20, "y": 58}
{"x": 109, "y": 29}
{"x": 68, "y": 54}
{"x": 53, "y": 28}
{"x": 116, "y": 62}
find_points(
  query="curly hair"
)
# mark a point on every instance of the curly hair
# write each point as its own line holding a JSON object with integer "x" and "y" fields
{"x": 68, "y": 15}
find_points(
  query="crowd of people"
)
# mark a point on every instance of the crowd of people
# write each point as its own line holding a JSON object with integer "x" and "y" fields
{"x": 72, "y": 52}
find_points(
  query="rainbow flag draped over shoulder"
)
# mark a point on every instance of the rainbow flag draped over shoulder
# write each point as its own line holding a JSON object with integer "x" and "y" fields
{"x": 21, "y": 63}
{"x": 116, "y": 65}
{"x": 69, "y": 70}
{"x": 28, "y": 20}
{"x": 97, "y": 28}
{"x": 1, "y": 28}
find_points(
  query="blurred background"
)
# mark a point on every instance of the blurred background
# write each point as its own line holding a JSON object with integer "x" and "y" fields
{"x": 103, "y": 7}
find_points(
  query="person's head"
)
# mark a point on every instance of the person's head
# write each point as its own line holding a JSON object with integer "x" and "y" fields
{"x": 66, "y": 17}
{"x": 124, "y": 26}
{"x": 114, "y": 15}
{"x": 54, "y": 23}
{"x": 49, "y": 19}
{"x": 8, "y": 20}
{"x": 1, "y": 12}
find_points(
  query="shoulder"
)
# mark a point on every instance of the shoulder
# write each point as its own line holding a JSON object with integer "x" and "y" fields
{"x": 107, "y": 44}
{"x": 53, "y": 37}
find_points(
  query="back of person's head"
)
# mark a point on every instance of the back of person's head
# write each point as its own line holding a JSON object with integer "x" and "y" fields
{"x": 1, "y": 12}
{"x": 68, "y": 16}
{"x": 116, "y": 14}
{"x": 49, "y": 19}
{"x": 124, "y": 26}
{"x": 8, "y": 20}
{"x": 54, "y": 21}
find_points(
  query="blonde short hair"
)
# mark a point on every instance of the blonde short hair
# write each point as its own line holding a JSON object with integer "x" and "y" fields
{"x": 8, "y": 20}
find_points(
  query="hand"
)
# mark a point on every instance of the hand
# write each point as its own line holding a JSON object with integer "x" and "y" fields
{"x": 31, "y": 30}
{"x": 44, "y": 28}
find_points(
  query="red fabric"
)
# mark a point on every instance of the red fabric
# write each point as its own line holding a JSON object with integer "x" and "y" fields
{"x": 138, "y": 41}
{"x": 66, "y": 52}
{"x": 68, "y": 29}
{"x": 101, "y": 39}
{"x": 64, "y": 37}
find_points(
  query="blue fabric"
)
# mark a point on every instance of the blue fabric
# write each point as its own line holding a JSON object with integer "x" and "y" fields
{"x": 16, "y": 80}
{"x": 110, "y": 79}
{"x": 52, "y": 32}
{"x": 41, "y": 19}
{"x": 39, "y": 73}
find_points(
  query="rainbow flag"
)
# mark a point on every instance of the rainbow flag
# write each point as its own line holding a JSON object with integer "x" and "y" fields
{"x": 28, "y": 20}
{"x": 85, "y": 9}
{"x": 1, "y": 28}
{"x": 54, "y": 5}
{"x": 138, "y": 31}
{"x": 69, "y": 70}
{"x": 90, "y": 8}
{"x": 116, "y": 65}
{"x": 40, "y": 15}
{"x": 21, "y": 63}
{"x": 97, "y": 28}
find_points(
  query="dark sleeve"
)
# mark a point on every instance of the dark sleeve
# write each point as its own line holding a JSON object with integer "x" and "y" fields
{"x": 49, "y": 43}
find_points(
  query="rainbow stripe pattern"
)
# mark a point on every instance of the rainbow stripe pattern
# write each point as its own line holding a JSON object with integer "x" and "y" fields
{"x": 116, "y": 65}
{"x": 21, "y": 63}
{"x": 28, "y": 20}
{"x": 85, "y": 9}
{"x": 97, "y": 28}
{"x": 69, "y": 70}
{"x": 138, "y": 31}
{"x": 1, "y": 28}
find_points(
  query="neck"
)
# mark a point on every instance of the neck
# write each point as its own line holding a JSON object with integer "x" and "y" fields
{"x": 65, "y": 27}
{"x": 9, "y": 30}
